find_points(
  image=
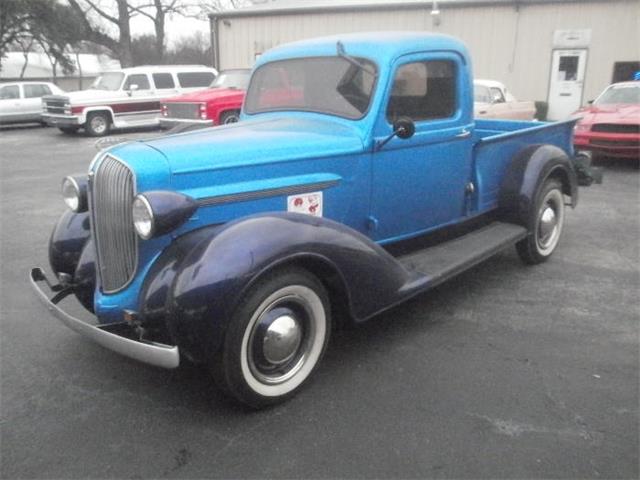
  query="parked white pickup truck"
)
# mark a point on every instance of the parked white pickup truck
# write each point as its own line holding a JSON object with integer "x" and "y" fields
{"x": 493, "y": 100}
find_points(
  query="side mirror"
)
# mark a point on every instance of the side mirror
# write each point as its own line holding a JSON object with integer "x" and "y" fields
{"x": 590, "y": 102}
{"x": 404, "y": 128}
{"x": 133, "y": 87}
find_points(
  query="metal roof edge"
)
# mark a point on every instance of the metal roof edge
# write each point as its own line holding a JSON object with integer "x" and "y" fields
{"x": 408, "y": 5}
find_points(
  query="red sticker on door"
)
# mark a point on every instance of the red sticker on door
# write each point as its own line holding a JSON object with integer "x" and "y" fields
{"x": 307, "y": 203}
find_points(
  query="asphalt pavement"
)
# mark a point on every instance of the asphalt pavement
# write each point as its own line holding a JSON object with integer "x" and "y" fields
{"x": 507, "y": 371}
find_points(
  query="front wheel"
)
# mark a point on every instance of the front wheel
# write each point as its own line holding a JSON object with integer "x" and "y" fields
{"x": 547, "y": 219}
{"x": 232, "y": 116}
{"x": 276, "y": 338}
{"x": 98, "y": 124}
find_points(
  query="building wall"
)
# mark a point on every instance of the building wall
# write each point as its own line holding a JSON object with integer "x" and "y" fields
{"x": 510, "y": 44}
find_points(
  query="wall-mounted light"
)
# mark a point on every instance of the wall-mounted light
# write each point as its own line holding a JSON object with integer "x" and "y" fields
{"x": 435, "y": 13}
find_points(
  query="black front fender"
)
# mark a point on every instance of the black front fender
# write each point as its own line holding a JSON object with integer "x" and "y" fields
{"x": 199, "y": 281}
{"x": 525, "y": 176}
{"x": 67, "y": 241}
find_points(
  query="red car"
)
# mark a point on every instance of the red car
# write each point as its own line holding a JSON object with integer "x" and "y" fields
{"x": 217, "y": 105}
{"x": 611, "y": 124}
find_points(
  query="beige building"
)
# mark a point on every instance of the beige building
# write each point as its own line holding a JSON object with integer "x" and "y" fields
{"x": 561, "y": 51}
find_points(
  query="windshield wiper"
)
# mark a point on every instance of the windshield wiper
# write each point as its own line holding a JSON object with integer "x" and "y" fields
{"x": 352, "y": 60}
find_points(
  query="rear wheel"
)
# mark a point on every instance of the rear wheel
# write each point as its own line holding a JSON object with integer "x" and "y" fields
{"x": 98, "y": 124}
{"x": 545, "y": 227}
{"x": 232, "y": 116}
{"x": 276, "y": 338}
{"x": 68, "y": 130}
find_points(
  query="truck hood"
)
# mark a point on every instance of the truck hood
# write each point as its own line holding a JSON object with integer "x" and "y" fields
{"x": 256, "y": 142}
{"x": 620, "y": 113}
{"x": 79, "y": 96}
{"x": 208, "y": 95}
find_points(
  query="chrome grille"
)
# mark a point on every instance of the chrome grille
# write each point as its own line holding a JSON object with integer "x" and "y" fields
{"x": 616, "y": 127}
{"x": 116, "y": 243}
{"x": 55, "y": 105}
{"x": 183, "y": 110}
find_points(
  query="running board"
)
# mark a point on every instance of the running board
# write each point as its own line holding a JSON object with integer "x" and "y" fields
{"x": 446, "y": 260}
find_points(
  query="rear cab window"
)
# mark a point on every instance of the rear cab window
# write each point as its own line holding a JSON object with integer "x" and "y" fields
{"x": 163, "y": 80}
{"x": 195, "y": 79}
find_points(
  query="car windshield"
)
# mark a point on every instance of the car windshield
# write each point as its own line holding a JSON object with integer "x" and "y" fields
{"x": 331, "y": 85}
{"x": 108, "y": 81}
{"x": 619, "y": 94}
{"x": 232, "y": 79}
{"x": 481, "y": 94}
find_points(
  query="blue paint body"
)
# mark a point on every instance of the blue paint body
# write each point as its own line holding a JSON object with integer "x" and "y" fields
{"x": 190, "y": 277}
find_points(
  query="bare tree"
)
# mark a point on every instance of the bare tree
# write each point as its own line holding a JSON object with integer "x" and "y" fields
{"x": 160, "y": 10}
{"x": 92, "y": 12}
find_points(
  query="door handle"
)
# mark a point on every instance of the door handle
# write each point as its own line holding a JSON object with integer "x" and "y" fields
{"x": 463, "y": 134}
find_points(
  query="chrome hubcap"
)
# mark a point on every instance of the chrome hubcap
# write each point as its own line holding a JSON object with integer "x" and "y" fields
{"x": 281, "y": 340}
{"x": 548, "y": 223}
{"x": 98, "y": 124}
{"x": 550, "y": 218}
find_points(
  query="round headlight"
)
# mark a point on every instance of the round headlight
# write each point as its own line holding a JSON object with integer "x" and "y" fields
{"x": 71, "y": 193}
{"x": 143, "y": 220}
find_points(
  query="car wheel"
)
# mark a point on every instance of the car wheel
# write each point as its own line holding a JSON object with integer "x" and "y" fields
{"x": 98, "y": 124}
{"x": 230, "y": 117}
{"x": 276, "y": 338}
{"x": 547, "y": 218}
{"x": 68, "y": 130}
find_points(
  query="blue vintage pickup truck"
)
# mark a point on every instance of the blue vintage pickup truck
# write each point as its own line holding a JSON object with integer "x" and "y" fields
{"x": 236, "y": 246}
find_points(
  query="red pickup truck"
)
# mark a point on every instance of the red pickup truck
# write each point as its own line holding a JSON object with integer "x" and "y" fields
{"x": 219, "y": 104}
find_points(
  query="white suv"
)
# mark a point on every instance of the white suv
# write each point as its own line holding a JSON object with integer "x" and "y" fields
{"x": 20, "y": 102}
{"x": 123, "y": 98}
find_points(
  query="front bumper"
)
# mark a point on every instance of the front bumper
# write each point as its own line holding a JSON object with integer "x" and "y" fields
{"x": 613, "y": 144}
{"x": 119, "y": 337}
{"x": 54, "y": 120}
{"x": 169, "y": 122}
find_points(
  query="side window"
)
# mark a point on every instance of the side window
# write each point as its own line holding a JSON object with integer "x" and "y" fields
{"x": 423, "y": 91}
{"x": 195, "y": 79}
{"x": 36, "y": 91}
{"x": 139, "y": 79}
{"x": 163, "y": 80}
{"x": 496, "y": 95}
{"x": 9, "y": 92}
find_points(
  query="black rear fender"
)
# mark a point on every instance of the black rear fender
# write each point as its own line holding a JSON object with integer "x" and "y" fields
{"x": 525, "y": 176}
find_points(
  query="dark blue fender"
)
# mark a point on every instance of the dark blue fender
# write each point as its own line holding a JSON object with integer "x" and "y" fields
{"x": 67, "y": 241}
{"x": 71, "y": 251}
{"x": 84, "y": 277}
{"x": 525, "y": 176}
{"x": 198, "y": 282}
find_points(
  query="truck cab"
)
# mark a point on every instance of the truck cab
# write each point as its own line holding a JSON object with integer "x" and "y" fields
{"x": 235, "y": 246}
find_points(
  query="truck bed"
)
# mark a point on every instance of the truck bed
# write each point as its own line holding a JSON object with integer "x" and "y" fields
{"x": 498, "y": 141}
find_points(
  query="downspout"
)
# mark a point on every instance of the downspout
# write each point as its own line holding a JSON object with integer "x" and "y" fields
{"x": 215, "y": 42}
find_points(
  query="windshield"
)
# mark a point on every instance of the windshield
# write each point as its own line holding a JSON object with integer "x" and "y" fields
{"x": 232, "y": 79}
{"x": 331, "y": 85}
{"x": 619, "y": 94}
{"x": 108, "y": 81}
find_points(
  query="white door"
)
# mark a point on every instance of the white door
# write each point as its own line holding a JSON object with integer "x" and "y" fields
{"x": 566, "y": 82}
